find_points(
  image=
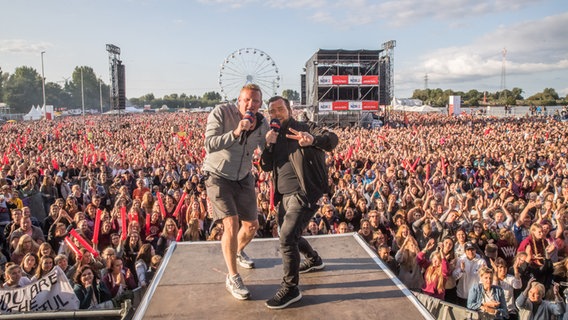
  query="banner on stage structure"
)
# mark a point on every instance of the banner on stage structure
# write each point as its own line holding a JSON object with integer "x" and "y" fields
{"x": 364, "y": 105}
{"x": 368, "y": 80}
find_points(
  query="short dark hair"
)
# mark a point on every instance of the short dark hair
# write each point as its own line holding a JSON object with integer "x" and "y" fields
{"x": 276, "y": 98}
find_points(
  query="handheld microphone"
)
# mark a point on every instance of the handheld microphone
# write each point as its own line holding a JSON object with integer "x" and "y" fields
{"x": 274, "y": 126}
{"x": 249, "y": 115}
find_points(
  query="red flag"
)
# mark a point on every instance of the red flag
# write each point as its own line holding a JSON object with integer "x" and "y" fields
{"x": 142, "y": 144}
{"x": 83, "y": 242}
{"x": 97, "y": 227}
{"x": 124, "y": 224}
{"x": 5, "y": 159}
{"x": 349, "y": 153}
{"x": 180, "y": 233}
{"x": 413, "y": 168}
{"x": 271, "y": 195}
{"x": 148, "y": 221}
{"x": 161, "y": 203}
{"x": 73, "y": 248}
{"x": 180, "y": 203}
{"x": 55, "y": 164}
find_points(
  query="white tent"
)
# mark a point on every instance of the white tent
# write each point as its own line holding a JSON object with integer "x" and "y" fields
{"x": 413, "y": 105}
{"x": 34, "y": 114}
{"x": 164, "y": 108}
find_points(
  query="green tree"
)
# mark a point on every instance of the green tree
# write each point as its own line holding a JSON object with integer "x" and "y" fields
{"x": 3, "y": 78}
{"x": 472, "y": 98}
{"x": 517, "y": 93}
{"x": 90, "y": 88}
{"x": 23, "y": 89}
{"x": 291, "y": 95}
{"x": 149, "y": 97}
{"x": 212, "y": 96}
{"x": 56, "y": 96}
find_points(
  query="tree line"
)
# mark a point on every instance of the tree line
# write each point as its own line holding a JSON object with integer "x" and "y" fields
{"x": 23, "y": 88}
{"x": 475, "y": 98}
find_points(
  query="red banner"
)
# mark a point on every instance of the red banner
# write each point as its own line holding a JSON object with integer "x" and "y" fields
{"x": 340, "y": 79}
{"x": 340, "y": 106}
{"x": 370, "y": 105}
{"x": 370, "y": 80}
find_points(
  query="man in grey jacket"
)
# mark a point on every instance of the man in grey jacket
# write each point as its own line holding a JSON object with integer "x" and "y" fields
{"x": 231, "y": 136}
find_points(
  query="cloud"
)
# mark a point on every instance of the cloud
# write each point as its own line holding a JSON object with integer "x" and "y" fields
{"x": 394, "y": 12}
{"x": 531, "y": 46}
{"x": 230, "y": 3}
{"x": 296, "y": 4}
{"x": 276, "y": 4}
{"x": 23, "y": 46}
{"x": 322, "y": 16}
{"x": 408, "y": 12}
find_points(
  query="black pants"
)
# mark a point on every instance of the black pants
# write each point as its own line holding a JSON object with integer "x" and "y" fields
{"x": 294, "y": 214}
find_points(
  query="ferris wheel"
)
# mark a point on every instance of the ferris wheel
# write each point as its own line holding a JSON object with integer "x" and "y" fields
{"x": 248, "y": 65}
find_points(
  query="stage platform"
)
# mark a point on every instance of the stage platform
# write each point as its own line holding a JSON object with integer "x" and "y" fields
{"x": 355, "y": 284}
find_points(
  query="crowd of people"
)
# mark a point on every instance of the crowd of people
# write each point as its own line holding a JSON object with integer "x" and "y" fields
{"x": 468, "y": 209}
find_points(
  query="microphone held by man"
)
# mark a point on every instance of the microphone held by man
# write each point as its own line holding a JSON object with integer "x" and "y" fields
{"x": 249, "y": 116}
{"x": 275, "y": 127}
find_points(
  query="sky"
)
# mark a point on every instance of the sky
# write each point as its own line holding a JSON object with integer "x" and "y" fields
{"x": 179, "y": 46}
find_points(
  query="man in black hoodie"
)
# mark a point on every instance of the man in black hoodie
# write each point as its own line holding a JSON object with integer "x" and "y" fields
{"x": 296, "y": 156}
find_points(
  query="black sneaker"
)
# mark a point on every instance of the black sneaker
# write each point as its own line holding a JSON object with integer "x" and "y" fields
{"x": 307, "y": 265}
{"x": 284, "y": 297}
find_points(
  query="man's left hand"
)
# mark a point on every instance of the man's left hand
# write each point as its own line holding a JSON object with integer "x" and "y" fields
{"x": 304, "y": 138}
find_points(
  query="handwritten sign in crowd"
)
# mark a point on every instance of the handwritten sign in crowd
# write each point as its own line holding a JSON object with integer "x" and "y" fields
{"x": 52, "y": 292}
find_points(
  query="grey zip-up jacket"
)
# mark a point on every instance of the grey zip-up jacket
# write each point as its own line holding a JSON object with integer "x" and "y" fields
{"x": 226, "y": 156}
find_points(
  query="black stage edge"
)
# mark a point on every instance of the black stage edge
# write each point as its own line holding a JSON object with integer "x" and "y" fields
{"x": 190, "y": 284}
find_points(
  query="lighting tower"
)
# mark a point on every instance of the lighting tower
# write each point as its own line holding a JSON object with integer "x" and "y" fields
{"x": 116, "y": 70}
{"x": 388, "y": 51}
{"x": 503, "y": 70}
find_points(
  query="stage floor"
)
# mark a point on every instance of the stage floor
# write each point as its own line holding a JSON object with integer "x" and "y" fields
{"x": 191, "y": 285}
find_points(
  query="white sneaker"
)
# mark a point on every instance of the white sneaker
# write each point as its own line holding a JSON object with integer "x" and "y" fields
{"x": 236, "y": 287}
{"x": 244, "y": 261}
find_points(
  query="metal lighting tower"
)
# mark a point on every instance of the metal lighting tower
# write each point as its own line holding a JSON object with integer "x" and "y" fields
{"x": 43, "y": 85}
{"x": 114, "y": 62}
{"x": 503, "y": 70}
{"x": 101, "y": 93}
{"x": 82, "y": 93}
{"x": 388, "y": 48}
